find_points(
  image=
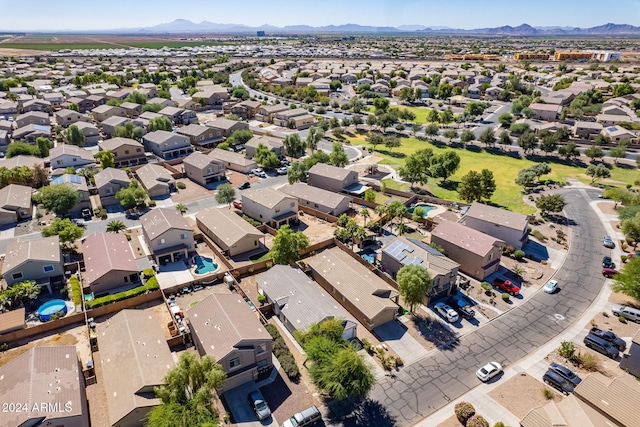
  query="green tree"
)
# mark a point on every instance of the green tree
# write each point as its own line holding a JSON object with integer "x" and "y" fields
{"x": 487, "y": 137}
{"x": 154, "y": 108}
{"x": 416, "y": 167}
{"x": 66, "y": 230}
{"x": 225, "y": 194}
{"x": 338, "y": 157}
{"x": 106, "y": 158}
{"x": 160, "y": 123}
{"x": 293, "y": 145}
{"x": 130, "y": 131}
{"x": 287, "y": 245}
{"x": 22, "y": 148}
{"x": 550, "y": 203}
{"x": 618, "y": 152}
{"x": 433, "y": 116}
{"x": 594, "y": 152}
{"x": 549, "y": 144}
{"x": 431, "y": 129}
{"x": 181, "y": 208}
{"x": 505, "y": 120}
{"x": 370, "y": 195}
{"x": 569, "y": 151}
{"x": 136, "y": 97}
{"x": 317, "y": 157}
{"x": 627, "y": 280}
{"x": 44, "y": 145}
{"x": 528, "y": 142}
{"x": 597, "y": 172}
{"x": 450, "y": 134}
{"x": 414, "y": 282}
{"x": 59, "y": 199}
{"x": 374, "y": 139}
{"x": 187, "y": 393}
{"x": 131, "y": 196}
{"x": 116, "y": 226}
{"x": 356, "y": 120}
{"x": 297, "y": 173}
{"x": 488, "y": 183}
{"x": 446, "y": 116}
{"x": 381, "y": 105}
{"x": 467, "y": 136}
{"x": 526, "y": 179}
{"x": 470, "y": 187}
{"x": 314, "y": 136}
{"x": 74, "y": 136}
{"x": 505, "y": 139}
{"x": 391, "y": 142}
{"x": 240, "y": 92}
{"x": 540, "y": 169}
{"x": 444, "y": 165}
{"x": 266, "y": 158}
{"x": 371, "y": 121}
{"x": 622, "y": 90}
{"x": 345, "y": 375}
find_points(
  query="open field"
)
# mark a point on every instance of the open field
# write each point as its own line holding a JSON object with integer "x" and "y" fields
{"x": 172, "y": 43}
{"x": 505, "y": 168}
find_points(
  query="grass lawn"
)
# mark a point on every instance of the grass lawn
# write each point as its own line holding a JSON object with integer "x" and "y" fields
{"x": 505, "y": 169}
{"x": 260, "y": 257}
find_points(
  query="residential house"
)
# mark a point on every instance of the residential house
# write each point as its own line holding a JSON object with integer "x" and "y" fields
{"x": 510, "y": 227}
{"x": 108, "y": 182}
{"x": 30, "y": 133}
{"x": 148, "y": 89}
{"x": 167, "y": 145}
{"x": 131, "y": 109}
{"x": 179, "y": 116}
{"x": 203, "y": 136}
{"x": 331, "y": 178}
{"x": 380, "y": 89}
{"x": 226, "y": 126}
{"x": 163, "y": 102}
{"x": 612, "y": 119}
{"x": 84, "y": 104}
{"x": 55, "y": 99}
{"x": 266, "y": 113}
{"x": 214, "y": 95}
{"x": 229, "y": 231}
{"x": 276, "y": 145}
{"x": 299, "y": 302}
{"x": 403, "y": 251}
{"x": 233, "y": 161}
{"x": 587, "y": 129}
{"x": 168, "y": 234}
{"x": 48, "y": 385}
{"x": 477, "y": 253}
{"x": 156, "y": 180}
{"x": 109, "y": 262}
{"x": 270, "y": 206}
{"x": 90, "y": 131}
{"x": 631, "y": 360}
{"x": 32, "y": 118}
{"x": 13, "y": 320}
{"x": 4, "y": 140}
{"x": 6, "y": 125}
{"x": 22, "y": 160}
{"x": 109, "y": 125}
{"x": 96, "y": 100}
{"x": 66, "y": 118}
{"x": 224, "y": 327}
{"x": 79, "y": 183}
{"x": 103, "y": 112}
{"x": 549, "y": 112}
{"x": 365, "y": 295}
{"x": 473, "y": 92}
{"x": 246, "y": 109}
{"x": 8, "y": 108}
{"x": 493, "y": 93}
{"x": 36, "y": 105}
{"x": 316, "y": 198}
{"x": 298, "y": 118}
{"x": 135, "y": 358}
{"x": 617, "y": 134}
{"x": 120, "y": 94}
{"x": 15, "y": 203}
{"x": 39, "y": 260}
{"x": 126, "y": 152}
{"x": 64, "y": 155}
{"x": 203, "y": 169}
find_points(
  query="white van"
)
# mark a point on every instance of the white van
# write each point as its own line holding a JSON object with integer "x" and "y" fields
{"x": 303, "y": 418}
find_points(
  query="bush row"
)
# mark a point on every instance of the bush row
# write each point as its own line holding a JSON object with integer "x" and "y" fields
{"x": 283, "y": 354}
{"x": 151, "y": 285}
{"x": 76, "y": 290}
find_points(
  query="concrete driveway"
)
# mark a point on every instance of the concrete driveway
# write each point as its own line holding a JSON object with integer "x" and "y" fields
{"x": 396, "y": 336}
{"x": 243, "y": 413}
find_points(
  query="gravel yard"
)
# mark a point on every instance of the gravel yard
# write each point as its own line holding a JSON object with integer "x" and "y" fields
{"x": 511, "y": 392}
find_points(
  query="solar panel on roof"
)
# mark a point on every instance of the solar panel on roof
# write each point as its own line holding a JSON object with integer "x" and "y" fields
{"x": 58, "y": 180}
{"x": 76, "y": 179}
{"x": 400, "y": 256}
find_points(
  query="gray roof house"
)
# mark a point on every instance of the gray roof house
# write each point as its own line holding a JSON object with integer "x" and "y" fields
{"x": 299, "y": 302}
{"x": 226, "y": 126}
{"x": 126, "y": 152}
{"x": 79, "y": 183}
{"x": 203, "y": 169}
{"x": 316, "y": 198}
{"x": 331, "y": 178}
{"x": 270, "y": 206}
{"x": 109, "y": 262}
{"x": 229, "y": 231}
{"x": 64, "y": 155}
{"x": 156, "y": 180}
{"x": 168, "y": 234}
{"x": 167, "y": 145}
{"x": 203, "y": 136}
{"x": 510, "y": 227}
{"x": 108, "y": 182}
{"x": 48, "y": 381}
{"x": 15, "y": 203}
{"x": 39, "y": 260}
{"x": 275, "y": 145}
{"x": 32, "y": 118}
{"x": 135, "y": 358}
{"x": 234, "y": 161}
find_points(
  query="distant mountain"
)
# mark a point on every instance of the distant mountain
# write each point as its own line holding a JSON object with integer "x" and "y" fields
{"x": 555, "y": 27}
{"x": 528, "y": 30}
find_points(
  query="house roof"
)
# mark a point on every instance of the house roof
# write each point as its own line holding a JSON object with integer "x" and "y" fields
{"x": 115, "y": 121}
{"x": 14, "y": 197}
{"x": 170, "y": 111}
{"x": 12, "y": 320}
{"x": 160, "y": 220}
{"x": 151, "y": 175}
{"x": 330, "y": 171}
{"x": 76, "y": 181}
{"x": 45, "y": 249}
{"x": 66, "y": 112}
{"x": 223, "y": 322}
{"x": 221, "y": 123}
{"x": 302, "y": 300}
{"x": 588, "y": 125}
{"x": 267, "y": 197}
{"x": 25, "y": 131}
{"x": 106, "y": 252}
{"x": 110, "y": 175}
{"x": 161, "y": 136}
{"x": 21, "y": 160}
{"x": 70, "y": 150}
{"x": 465, "y": 237}
{"x": 193, "y": 130}
{"x": 267, "y": 141}
{"x": 115, "y": 143}
{"x": 314, "y": 194}
{"x": 411, "y": 251}
{"x": 104, "y": 108}
{"x": 366, "y": 291}
{"x": 497, "y": 216}
{"x": 227, "y": 225}
{"x": 36, "y": 114}
{"x": 545, "y": 107}
{"x": 43, "y": 375}
{"x": 135, "y": 357}
{"x": 199, "y": 160}
{"x": 230, "y": 157}
{"x": 619, "y": 398}
{"x": 567, "y": 412}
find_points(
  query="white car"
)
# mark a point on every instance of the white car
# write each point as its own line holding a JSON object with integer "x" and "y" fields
{"x": 489, "y": 371}
{"x": 447, "y": 312}
{"x": 551, "y": 286}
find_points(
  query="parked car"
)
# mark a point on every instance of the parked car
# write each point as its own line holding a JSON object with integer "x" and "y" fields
{"x": 506, "y": 285}
{"x": 609, "y": 336}
{"x": 462, "y": 307}
{"x": 282, "y": 171}
{"x": 554, "y": 379}
{"x": 627, "y": 312}
{"x": 237, "y": 204}
{"x": 565, "y": 373}
{"x": 244, "y": 185}
{"x": 489, "y": 371}
{"x": 609, "y": 272}
{"x": 607, "y": 263}
{"x": 447, "y": 312}
{"x": 285, "y": 162}
{"x": 258, "y": 172}
{"x": 259, "y": 405}
{"x": 86, "y": 214}
{"x": 304, "y": 418}
{"x": 608, "y": 242}
{"x": 551, "y": 286}
{"x": 601, "y": 346}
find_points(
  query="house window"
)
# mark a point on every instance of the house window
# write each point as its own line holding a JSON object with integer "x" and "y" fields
{"x": 17, "y": 276}
{"x": 126, "y": 151}
{"x": 234, "y": 363}
{"x": 137, "y": 150}
{"x": 261, "y": 349}
{"x": 490, "y": 256}
{"x": 162, "y": 241}
{"x": 277, "y": 209}
{"x": 75, "y": 159}
{"x": 183, "y": 236}
{"x": 292, "y": 204}
{"x": 47, "y": 268}
{"x": 59, "y": 162}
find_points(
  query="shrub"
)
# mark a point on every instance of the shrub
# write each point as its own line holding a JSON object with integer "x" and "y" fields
{"x": 464, "y": 411}
{"x": 548, "y": 394}
{"x": 477, "y": 421}
{"x": 567, "y": 349}
{"x": 518, "y": 255}
{"x": 148, "y": 273}
{"x": 499, "y": 424}
{"x": 128, "y": 236}
{"x": 605, "y": 314}
{"x": 622, "y": 319}
{"x": 486, "y": 286}
{"x": 4, "y": 347}
{"x": 151, "y": 285}
{"x": 367, "y": 346}
{"x": 251, "y": 221}
{"x": 505, "y": 297}
{"x": 262, "y": 298}
{"x": 152, "y": 203}
{"x": 538, "y": 235}
{"x": 283, "y": 354}
{"x": 589, "y": 362}
{"x": 76, "y": 290}
{"x": 623, "y": 258}
{"x": 181, "y": 185}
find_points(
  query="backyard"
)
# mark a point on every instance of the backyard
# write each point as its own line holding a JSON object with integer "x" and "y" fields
{"x": 505, "y": 167}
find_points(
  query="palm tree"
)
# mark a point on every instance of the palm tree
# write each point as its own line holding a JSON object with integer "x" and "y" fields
{"x": 383, "y": 213}
{"x": 116, "y": 226}
{"x": 181, "y": 208}
{"x": 359, "y": 234}
{"x": 365, "y": 215}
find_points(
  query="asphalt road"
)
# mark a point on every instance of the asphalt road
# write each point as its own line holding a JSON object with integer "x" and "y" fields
{"x": 429, "y": 384}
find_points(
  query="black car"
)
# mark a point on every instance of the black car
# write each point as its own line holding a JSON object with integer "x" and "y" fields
{"x": 244, "y": 185}
{"x": 565, "y": 373}
{"x": 607, "y": 263}
{"x": 610, "y": 337}
{"x": 554, "y": 379}
{"x": 462, "y": 307}
{"x": 86, "y": 214}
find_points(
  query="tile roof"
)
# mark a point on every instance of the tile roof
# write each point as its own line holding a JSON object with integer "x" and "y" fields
{"x": 14, "y": 197}
{"x": 267, "y": 197}
{"x": 227, "y": 225}
{"x": 160, "y": 220}
{"x": 619, "y": 398}
{"x": 22, "y": 251}
{"x": 106, "y": 252}
{"x": 330, "y": 171}
{"x": 109, "y": 175}
{"x": 314, "y": 194}
{"x": 115, "y": 143}
{"x": 465, "y": 237}
{"x": 230, "y": 157}
{"x": 498, "y": 216}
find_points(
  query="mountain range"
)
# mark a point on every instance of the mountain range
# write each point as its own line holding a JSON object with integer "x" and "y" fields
{"x": 183, "y": 26}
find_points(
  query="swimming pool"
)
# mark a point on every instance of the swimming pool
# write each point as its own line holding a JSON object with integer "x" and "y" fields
{"x": 424, "y": 206}
{"x": 368, "y": 255}
{"x": 52, "y": 310}
{"x": 205, "y": 265}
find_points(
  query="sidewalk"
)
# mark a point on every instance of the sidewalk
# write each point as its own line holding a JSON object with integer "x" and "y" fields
{"x": 533, "y": 364}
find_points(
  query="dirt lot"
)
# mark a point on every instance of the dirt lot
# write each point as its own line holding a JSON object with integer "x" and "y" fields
{"x": 192, "y": 191}
{"x": 607, "y": 321}
{"x": 521, "y": 385}
{"x": 316, "y": 230}
{"x": 451, "y": 422}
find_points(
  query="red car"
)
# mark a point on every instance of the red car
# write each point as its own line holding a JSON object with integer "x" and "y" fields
{"x": 506, "y": 285}
{"x": 237, "y": 204}
{"x": 609, "y": 272}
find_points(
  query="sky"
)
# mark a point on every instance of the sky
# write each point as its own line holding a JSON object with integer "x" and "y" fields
{"x": 34, "y": 15}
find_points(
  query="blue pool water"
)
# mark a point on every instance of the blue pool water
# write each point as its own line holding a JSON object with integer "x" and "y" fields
{"x": 51, "y": 308}
{"x": 424, "y": 206}
{"x": 205, "y": 265}
{"x": 368, "y": 255}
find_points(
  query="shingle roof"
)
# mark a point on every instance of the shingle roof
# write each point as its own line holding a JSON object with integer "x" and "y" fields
{"x": 222, "y": 322}
{"x": 267, "y": 141}
{"x": 230, "y": 157}
{"x": 12, "y": 320}
{"x": 151, "y": 175}
{"x": 226, "y": 225}
{"x": 199, "y": 160}
{"x": 109, "y": 175}
{"x": 22, "y": 251}
{"x": 619, "y": 398}
{"x": 221, "y": 123}
{"x": 105, "y": 252}
{"x": 314, "y": 194}
{"x": 160, "y": 220}
{"x": 410, "y": 251}
{"x": 330, "y": 171}
{"x": 14, "y": 197}
{"x": 465, "y": 237}
{"x": 114, "y": 143}
{"x": 70, "y": 150}
{"x": 267, "y": 197}
{"x": 498, "y": 216}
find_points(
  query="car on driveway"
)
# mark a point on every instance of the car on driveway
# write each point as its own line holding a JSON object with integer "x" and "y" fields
{"x": 282, "y": 171}
{"x": 86, "y": 214}
{"x": 565, "y": 373}
{"x": 244, "y": 185}
{"x": 611, "y": 337}
{"x": 462, "y": 307}
{"x": 608, "y": 242}
{"x": 554, "y": 379}
{"x": 259, "y": 405}
{"x": 609, "y": 272}
{"x": 447, "y": 312}
{"x": 489, "y": 371}
{"x": 237, "y": 204}
{"x": 259, "y": 172}
{"x": 506, "y": 286}
{"x": 550, "y": 287}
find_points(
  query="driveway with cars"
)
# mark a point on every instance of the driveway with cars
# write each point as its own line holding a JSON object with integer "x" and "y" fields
{"x": 243, "y": 413}
{"x": 421, "y": 388}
